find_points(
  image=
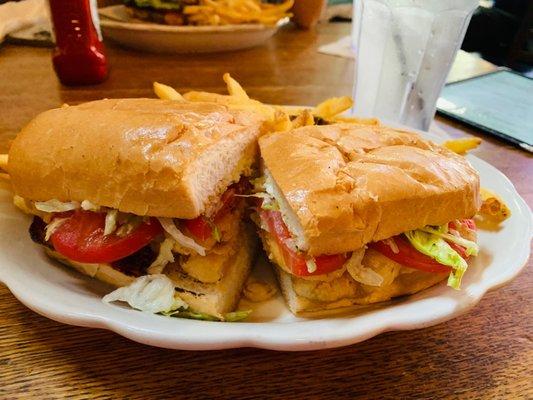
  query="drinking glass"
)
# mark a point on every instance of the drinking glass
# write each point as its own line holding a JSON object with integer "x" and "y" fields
{"x": 404, "y": 51}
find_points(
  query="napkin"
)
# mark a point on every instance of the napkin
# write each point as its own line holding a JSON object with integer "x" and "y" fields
{"x": 21, "y": 14}
{"x": 341, "y": 48}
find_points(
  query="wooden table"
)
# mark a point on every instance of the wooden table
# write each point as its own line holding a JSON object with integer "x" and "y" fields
{"x": 484, "y": 354}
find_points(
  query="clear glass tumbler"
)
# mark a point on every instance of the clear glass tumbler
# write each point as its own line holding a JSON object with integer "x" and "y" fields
{"x": 404, "y": 51}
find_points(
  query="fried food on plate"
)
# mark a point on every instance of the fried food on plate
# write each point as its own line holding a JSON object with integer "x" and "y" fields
{"x": 280, "y": 117}
{"x": 493, "y": 206}
{"x": 165, "y": 92}
{"x": 209, "y": 12}
{"x": 463, "y": 145}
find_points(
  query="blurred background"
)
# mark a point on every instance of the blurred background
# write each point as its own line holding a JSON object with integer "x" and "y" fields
{"x": 501, "y": 31}
{"x": 286, "y": 51}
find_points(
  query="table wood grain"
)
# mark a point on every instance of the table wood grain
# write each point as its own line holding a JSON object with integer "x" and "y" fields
{"x": 484, "y": 354}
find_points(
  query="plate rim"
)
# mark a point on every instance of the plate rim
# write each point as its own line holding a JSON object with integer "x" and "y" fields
{"x": 256, "y": 334}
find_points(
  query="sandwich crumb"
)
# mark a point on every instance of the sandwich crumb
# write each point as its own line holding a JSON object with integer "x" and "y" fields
{"x": 258, "y": 291}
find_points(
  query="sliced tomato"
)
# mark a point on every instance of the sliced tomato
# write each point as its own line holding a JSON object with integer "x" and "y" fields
{"x": 459, "y": 249}
{"x": 81, "y": 238}
{"x": 199, "y": 227}
{"x": 202, "y": 227}
{"x": 409, "y": 256}
{"x": 470, "y": 223}
{"x": 294, "y": 260}
{"x": 227, "y": 201}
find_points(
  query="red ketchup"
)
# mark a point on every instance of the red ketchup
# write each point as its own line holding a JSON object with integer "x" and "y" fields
{"x": 79, "y": 57}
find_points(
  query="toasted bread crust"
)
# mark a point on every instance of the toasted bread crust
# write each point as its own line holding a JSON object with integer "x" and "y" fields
{"x": 349, "y": 184}
{"x": 142, "y": 156}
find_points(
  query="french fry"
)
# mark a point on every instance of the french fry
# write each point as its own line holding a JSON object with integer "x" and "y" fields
{"x": 4, "y": 177}
{"x": 224, "y": 12}
{"x": 3, "y": 162}
{"x": 194, "y": 95}
{"x": 166, "y": 92}
{"x": 234, "y": 102}
{"x": 463, "y": 145}
{"x": 292, "y": 111}
{"x": 281, "y": 122}
{"x": 279, "y": 118}
{"x": 493, "y": 206}
{"x": 218, "y": 98}
{"x": 332, "y": 107}
{"x": 276, "y": 9}
{"x": 355, "y": 120}
{"x": 238, "y": 98}
{"x": 305, "y": 118}
{"x": 234, "y": 88}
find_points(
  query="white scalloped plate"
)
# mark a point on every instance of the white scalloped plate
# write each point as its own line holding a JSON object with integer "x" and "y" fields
{"x": 158, "y": 38}
{"x": 66, "y": 296}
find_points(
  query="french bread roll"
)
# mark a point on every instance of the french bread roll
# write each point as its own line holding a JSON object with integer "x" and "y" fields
{"x": 151, "y": 157}
{"x": 342, "y": 186}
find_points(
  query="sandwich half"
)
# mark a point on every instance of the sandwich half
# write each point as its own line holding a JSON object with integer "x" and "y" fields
{"x": 357, "y": 214}
{"x": 124, "y": 188}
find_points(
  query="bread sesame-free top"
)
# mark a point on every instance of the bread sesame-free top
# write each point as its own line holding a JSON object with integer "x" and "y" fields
{"x": 142, "y": 156}
{"x": 351, "y": 184}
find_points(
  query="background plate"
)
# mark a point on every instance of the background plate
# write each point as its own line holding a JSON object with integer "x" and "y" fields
{"x": 158, "y": 38}
{"x": 66, "y": 296}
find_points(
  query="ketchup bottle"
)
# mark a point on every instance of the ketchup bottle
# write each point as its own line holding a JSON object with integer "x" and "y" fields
{"x": 79, "y": 56}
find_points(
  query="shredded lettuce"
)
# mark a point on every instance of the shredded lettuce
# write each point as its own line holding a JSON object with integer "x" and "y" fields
{"x": 128, "y": 223}
{"x": 268, "y": 203}
{"x": 259, "y": 195}
{"x": 360, "y": 273}
{"x": 434, "y": 246}
{"x": 156, "y": 294}
{"x": 237, "y": 315}
{"x": 110, "y": 222}
{"x": 89, "y": 206}
{"x": 191, "y": 315}
{"x": 216, "y": 234}
{"x": 454, "y": 280}
{"x": 272, "y": 206}
{"x": 52, "y": 226}
{"x": 311, "y": 265}
{"x": 149, "y": 293}
{"x": 291, "y": 244}
{"x": 472, "y": 249}
{"x": 234, "y": 316}
{"x": 185, "y": 241}
{"x": 54, "y": 205}
{"x": 164, "y": 257}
